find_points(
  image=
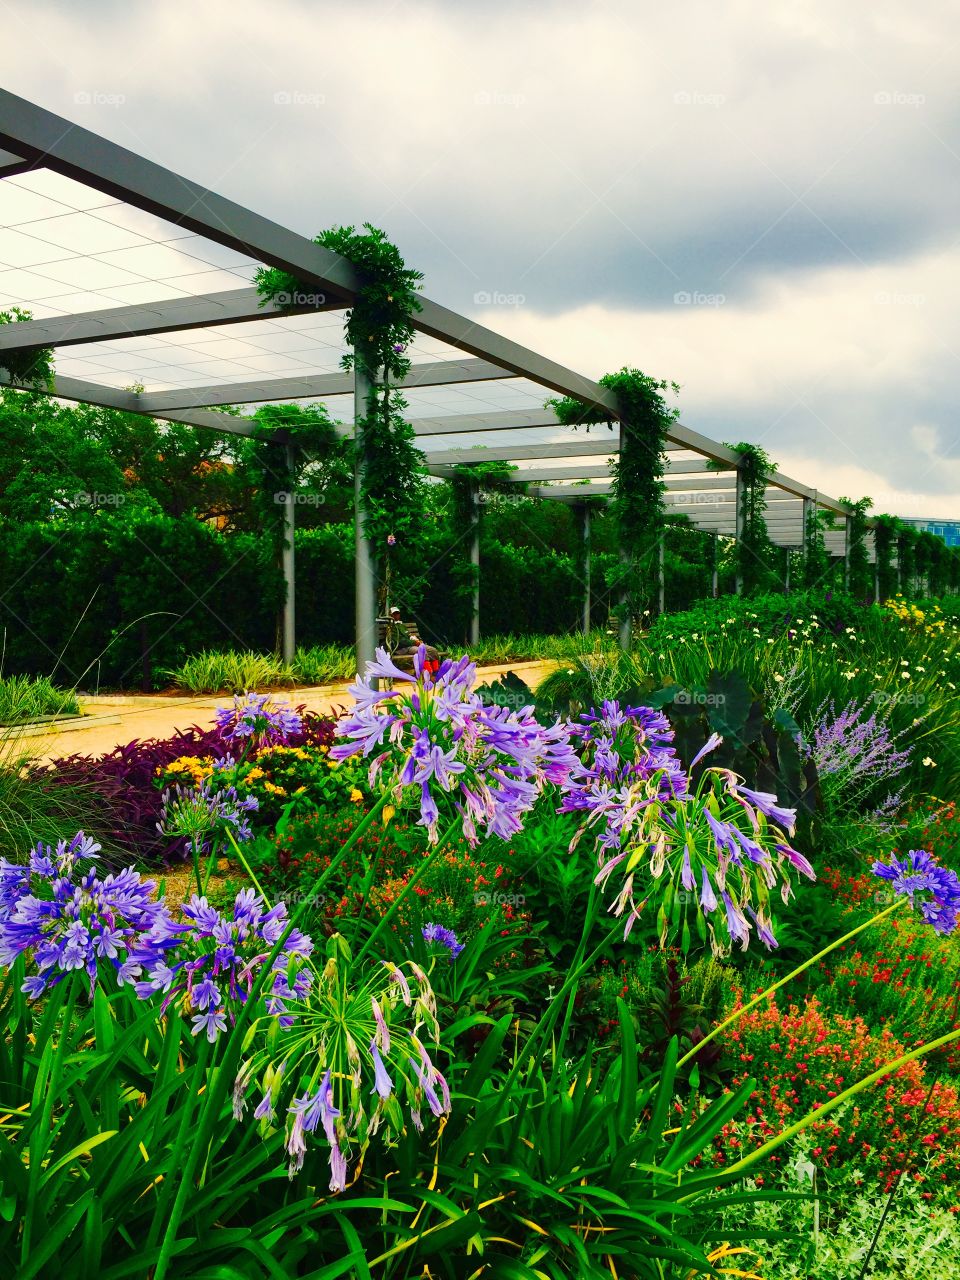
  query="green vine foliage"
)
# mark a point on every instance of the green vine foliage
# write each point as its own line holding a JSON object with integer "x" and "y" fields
{"x": 30, "y": 367}
{"x": 860, "y": 575}
{"x": 907, "y": 539}
{"x": 756, "y": 557}
{"x": 816, "y": 561}
{"x": 638, "y": 488}
{"x": 885, "y": 532}
{"x": 378, "y": 330}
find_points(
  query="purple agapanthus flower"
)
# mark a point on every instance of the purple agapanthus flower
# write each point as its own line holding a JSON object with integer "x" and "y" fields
{"x": 932, "y": 888}
{"x": 620, "y": 746}
{"x": 715, "y": 854}
{"x": 433, "y": 742}
{"x": 258, "y": 720}
{"x": 446, "y": 937}
{"x": 210, "y": 962}
{"x": 202, "y": 813}
{"x": 68, "y": 919}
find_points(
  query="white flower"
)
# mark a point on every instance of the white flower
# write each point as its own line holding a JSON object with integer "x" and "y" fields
{"x": 904, "y": 675}
{"x": 778, "y": 677}
{"x": 931, "y": 764}
{"x": 920, "y": 668}
{"x": 769, "y": 641}
{"x": 848, "y": 675}
{"x": 904, "y": 662}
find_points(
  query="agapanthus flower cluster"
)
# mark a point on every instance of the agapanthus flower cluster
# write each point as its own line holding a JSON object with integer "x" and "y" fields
{"x": 932, "y": 888}
{"x": 210, "y": 961}
{"x": 359, "y": 1056}
{"x": 717, "y": 854}
{"x": 203, "y": 813}
{"x": 67, "y": 918}
{"x": 434, "y": 742}
{"x": 620, "y": 746}
{"x": 258, "y": 719}
{"x": 445, "y": 937}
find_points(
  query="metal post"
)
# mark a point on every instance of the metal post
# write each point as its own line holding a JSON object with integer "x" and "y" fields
{"x": 786, "y": 577}
{"x": 846, "y": 554}
{"x": 739, "y": 527}
{"x": 876, "y": 574}
{"x": 364, "y": 557}
{"x": 289, "y": 565}
{"x": 715, "y": 586}
{"x": 474, "y": 635}
{"x": 661, "y": 584}
{"x": 626, "y": 620}
{"x": 584, "y": 510}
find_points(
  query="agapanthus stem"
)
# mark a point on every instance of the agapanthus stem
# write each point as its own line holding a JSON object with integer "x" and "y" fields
{"x": 588, "y": 923}
{"x": 752, "y": 1004}
{"x": 424, "y": 866}
{"x": 839, "y": 1100}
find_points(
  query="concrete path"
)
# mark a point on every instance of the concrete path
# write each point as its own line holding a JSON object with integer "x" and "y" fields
{"x": 112, "y": 721}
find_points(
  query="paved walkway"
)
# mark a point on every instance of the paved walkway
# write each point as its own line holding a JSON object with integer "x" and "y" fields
{"x": 113, "y": 721}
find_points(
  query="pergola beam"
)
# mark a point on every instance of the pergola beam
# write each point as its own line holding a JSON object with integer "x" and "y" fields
{"x": 232, "y": 306}
{"x": 432, "y": 373}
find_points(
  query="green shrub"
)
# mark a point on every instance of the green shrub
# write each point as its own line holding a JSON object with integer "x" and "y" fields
{"x": 24, "y": 698}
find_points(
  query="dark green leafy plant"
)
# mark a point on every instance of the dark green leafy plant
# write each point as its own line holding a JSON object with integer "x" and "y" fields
{"x": 30, "y": 366}
{"x": 859, "y": 581}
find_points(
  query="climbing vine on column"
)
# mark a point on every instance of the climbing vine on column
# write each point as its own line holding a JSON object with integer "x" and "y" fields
{"x": 469, "y": 484}
{"x": 754, "y": 551}
{"x": 885, "y": 529}
{"x": 638, "y": 488}
{"x": 858, "y": 573}
{"x": 379, "y": 329}
{"x": 816, "y": 561}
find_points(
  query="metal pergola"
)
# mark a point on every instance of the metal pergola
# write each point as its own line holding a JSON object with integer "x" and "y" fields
{"x": 124, "y": 266}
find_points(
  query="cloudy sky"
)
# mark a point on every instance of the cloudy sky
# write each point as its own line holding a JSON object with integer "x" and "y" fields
{"x": 756, "y": 200}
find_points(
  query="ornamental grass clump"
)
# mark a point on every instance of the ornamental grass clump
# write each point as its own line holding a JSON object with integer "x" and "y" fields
{"x": 357, "y": 1058}
{"x": 433, "y": 743}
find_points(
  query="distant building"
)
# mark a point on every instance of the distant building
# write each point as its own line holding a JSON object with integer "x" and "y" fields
{"x": 948, "y": 530}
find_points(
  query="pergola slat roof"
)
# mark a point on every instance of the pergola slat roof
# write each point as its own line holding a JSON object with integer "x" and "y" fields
{"x": 115, "y": 255}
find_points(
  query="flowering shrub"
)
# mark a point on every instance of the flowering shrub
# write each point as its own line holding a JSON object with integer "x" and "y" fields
{"x": 800, "y": 1058}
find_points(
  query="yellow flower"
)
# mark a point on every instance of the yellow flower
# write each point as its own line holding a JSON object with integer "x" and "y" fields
{"x": 388, "y": 812}
{"x": 356, "y": 795}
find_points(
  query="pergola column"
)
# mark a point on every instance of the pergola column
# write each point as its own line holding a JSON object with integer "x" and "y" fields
{"x": 715, "y": 582}
{"x": 626, "y": 619}
{"x": 289, "y": 563}
{"x": 584, "y": 512}
{"x": 739, "y": 527}
{"x": 661, "y": 584}
{"x": 786, "y": 576}
{"x": 364, "y": 554}
{"x": 474, "y": 631}
{"x": 846, "y": 554}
